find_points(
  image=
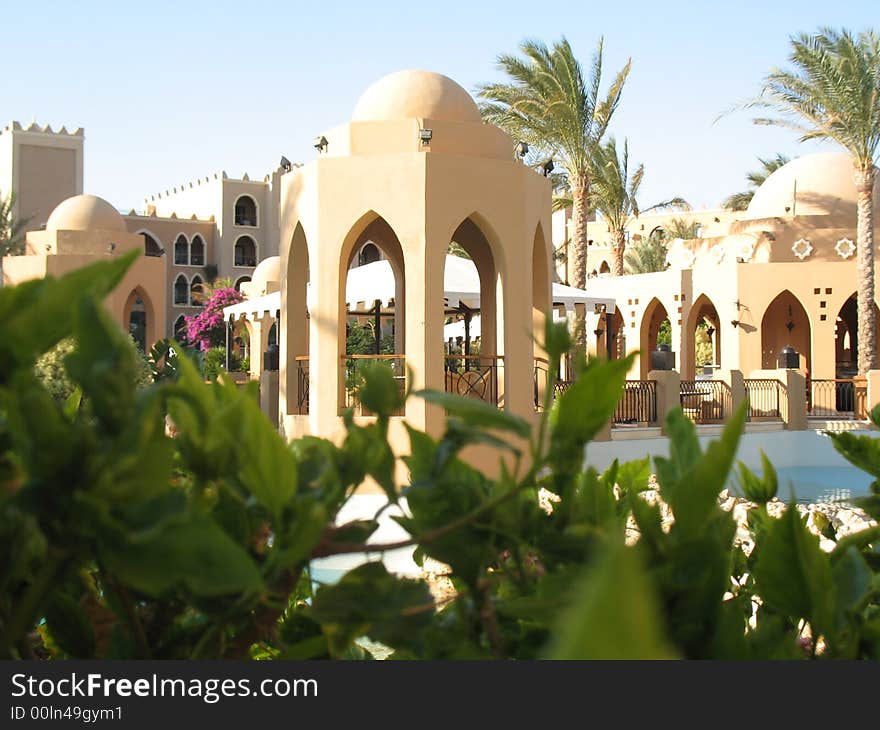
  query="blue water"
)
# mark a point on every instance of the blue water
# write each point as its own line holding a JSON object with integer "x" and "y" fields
{"x": 821, "y": 483}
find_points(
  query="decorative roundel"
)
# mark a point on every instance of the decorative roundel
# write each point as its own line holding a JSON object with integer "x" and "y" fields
{"x": 686, "y": 258}
{"x": 802, "y": 248}
{"x": 845, "y": 248}
{"x": 717, "y": 254}
{"x": 746, "y": 250}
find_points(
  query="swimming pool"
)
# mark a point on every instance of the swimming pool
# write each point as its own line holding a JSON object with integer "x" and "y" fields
{"x": 810, "y": 484}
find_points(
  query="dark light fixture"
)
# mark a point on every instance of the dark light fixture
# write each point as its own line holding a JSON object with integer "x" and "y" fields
{"x": 321, "y": 143}
{"x": 111, "y": 247}
{"x": 425, "y": 135}
{"x": 735, "y": 322}
{"x": 522, "y": 149}
{"x": 285, "y": 164}
{"x": 547, "y": 167}
{"x": 710, "y": 330}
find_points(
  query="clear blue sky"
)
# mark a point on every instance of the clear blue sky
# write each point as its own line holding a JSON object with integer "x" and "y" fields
{"x": 170, "y": 91}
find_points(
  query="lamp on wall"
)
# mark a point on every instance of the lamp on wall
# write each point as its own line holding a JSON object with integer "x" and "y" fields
{"x": 734, "y": 322}
{"x": 286, "y": 164}
{"x": 522, "y": 149}
{"x": 425, "y": 135}
{"x": 547, "y": 167}
{"x": 321, "y": 143}
{"x": 111, "y": 247}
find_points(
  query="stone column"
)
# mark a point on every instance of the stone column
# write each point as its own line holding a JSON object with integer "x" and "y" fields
{"x": 794, "y": 405}
{"x": 668, "y": 393}
{"x": 873, "y": 378}
{"x": 736, "y": 383}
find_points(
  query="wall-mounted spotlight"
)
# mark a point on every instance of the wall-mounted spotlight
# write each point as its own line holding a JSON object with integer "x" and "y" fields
{"x": 734, "y": 322}
{"x": 547, "y": 167}
{"x": 522, "y": 149}
{"x": 321, "y": 143}
{"x": 425, "y": 136}
{"x": 285, "y": 164}
{"x": 111, "y": 247}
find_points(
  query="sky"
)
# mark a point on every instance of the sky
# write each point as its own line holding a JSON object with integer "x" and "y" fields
{"x": 171, "y": 91}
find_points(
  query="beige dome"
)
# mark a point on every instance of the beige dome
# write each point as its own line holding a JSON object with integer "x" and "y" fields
{"x": 84, "y": 213}
{"x": 416, "y": 94}
{"x": 817, "y": 184}
{"x": 268, "y": 270}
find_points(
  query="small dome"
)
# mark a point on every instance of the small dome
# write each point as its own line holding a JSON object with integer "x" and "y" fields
{"x": 268, "y": 270}
{"x": 416, "y": 94}
{"x": 816, "y": 184}
{"x": 85, "y": 213}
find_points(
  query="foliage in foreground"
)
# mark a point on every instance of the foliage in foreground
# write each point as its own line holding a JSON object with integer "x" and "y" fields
{"x": 117, "y": 541}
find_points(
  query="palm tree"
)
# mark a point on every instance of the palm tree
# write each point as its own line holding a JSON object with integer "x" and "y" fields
{"x": 647, "y": 256}
{"x": 549, "y": 104}
{"x": 11, "y": 228}
{"x": 833, "y": 93}
{"x": 614, "y": 193}
{"x": 756, "y": 178}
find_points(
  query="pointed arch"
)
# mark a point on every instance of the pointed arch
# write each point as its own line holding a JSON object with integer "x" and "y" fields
{"x": 244, "y": 252}
{"x": 181, "y": 250}
{"x": 197, "y": 251}
{"x": 179, "y": 331}
{"x": 296, "y": 345}
{"x": 245, "y": 211}
{"x": 785, "y": 323}
{"x": 139, "y": 320}
{"x": 181, "y": 291}
{"x": 654, "y": 316}
{"x": 846, "y": 337}
{"x": 702, "y": 323}
{"x": 194, "y": 291}
{"x": 241, "y": 280}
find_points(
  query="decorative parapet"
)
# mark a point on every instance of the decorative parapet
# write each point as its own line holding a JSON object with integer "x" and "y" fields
{"x": 34, "y": 128}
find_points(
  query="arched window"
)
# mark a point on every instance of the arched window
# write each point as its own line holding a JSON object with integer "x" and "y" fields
{"x": 181, "y": 291}
{"x": 197, "y": 251}
{"x": 241, "y": 280}
{"x": 180, "y": 328}
{"x": 245, "y": 211}
{"x": 245, "y": 252}
{"x": 181, "y": 251}
{"x": 369, "y": 253}
{"x": 151, "y": 246}
{"x": 195, "y": 291}
{"x": 604, "y": 268}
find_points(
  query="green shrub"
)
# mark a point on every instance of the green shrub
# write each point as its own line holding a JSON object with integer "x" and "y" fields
{"x": 117, "y": 541}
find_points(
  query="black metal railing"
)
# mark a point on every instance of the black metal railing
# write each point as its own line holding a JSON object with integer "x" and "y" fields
{"x": 543, "y": 383}
{"x": 474, "y": 376}
{"x": 302, "y": 384}
{"x": 705, "y": 401}
{"x": 765, "y": 398}
{"x": 837, "y": 398}
{"x": 638, "y": 404}
{"x": 353, "y": 366}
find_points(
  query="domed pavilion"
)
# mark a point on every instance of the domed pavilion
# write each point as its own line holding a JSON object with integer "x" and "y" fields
{"x": 414, "y": 171}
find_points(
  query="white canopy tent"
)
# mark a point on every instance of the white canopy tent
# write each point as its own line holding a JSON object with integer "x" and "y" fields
{"x": 371, "y": 282}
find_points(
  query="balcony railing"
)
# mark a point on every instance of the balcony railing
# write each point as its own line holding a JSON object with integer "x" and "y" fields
{"x": 474, "y": 376}
{"x": 837, "y": 398}
{"x": 302, "y": 384}
{"x": 705, "y": 401}
{"x": 765, "y": 397}
{"x": 352, "y": 367}
{"x": 638, "y": 404}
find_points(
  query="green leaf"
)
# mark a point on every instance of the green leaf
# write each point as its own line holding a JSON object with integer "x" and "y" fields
{"x": 614, "y": 614}
{"x": 852, "y": 582}
{"x": 70, "y": 626}
{"x": 477, "y": 412}
{"x": 793, "y": 574}
{"x": 195, "y": 554}
{"x": 861, "y": 451}
{"x": 582, "y": 410}
{"x": 690, "y": 482}
{"x": 372, "y": 602}
{"x": 759, "y": 490}
{"x": 37, "y": 314}
{"x": 380, "y": 391}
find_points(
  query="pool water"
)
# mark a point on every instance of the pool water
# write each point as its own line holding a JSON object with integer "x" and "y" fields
{"x": 810, "y": 484}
